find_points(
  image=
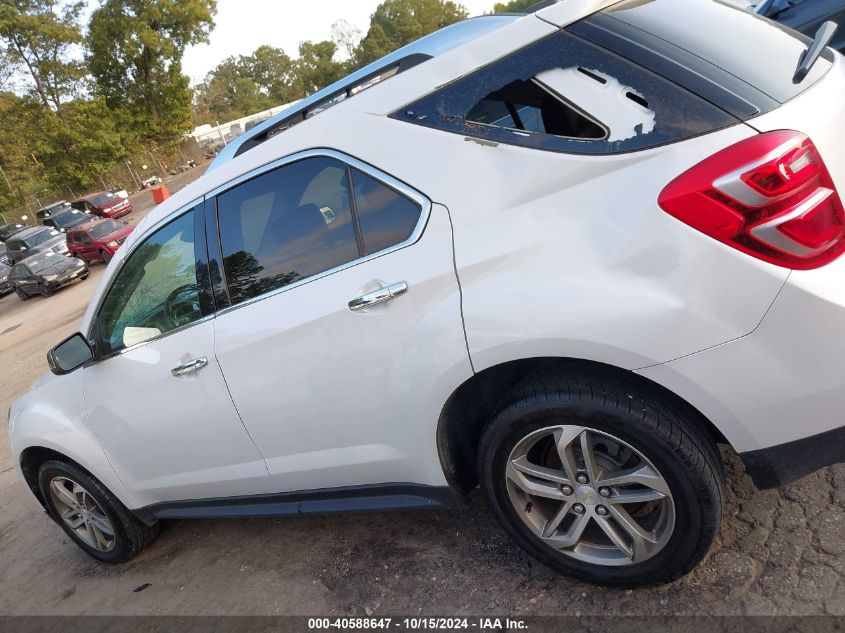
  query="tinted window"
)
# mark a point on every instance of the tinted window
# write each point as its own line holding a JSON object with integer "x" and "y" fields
{"x": 285, "y": 226}
{"x": 103, "y": 199}
{"x": 40, "y": 263}
{"x": 387, "y": 217}
{"x": 42, "y": 236}
{"x": 109, "y": 226}
{"x": 71, "y": 218}
{"x": 156, "y": 291}
{"x": 565, "y": 94}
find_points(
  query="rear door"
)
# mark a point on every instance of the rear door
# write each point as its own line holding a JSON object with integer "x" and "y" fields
{"x": 344, "y": 334}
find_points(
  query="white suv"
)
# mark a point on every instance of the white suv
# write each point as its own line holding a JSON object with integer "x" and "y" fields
{"x": 562, "y": 256}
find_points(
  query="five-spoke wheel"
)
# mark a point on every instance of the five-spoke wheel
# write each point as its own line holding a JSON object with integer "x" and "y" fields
{"x": 603, "y": 477}
{"x": 82, "y": 514}
{"x": 590, "y": 495}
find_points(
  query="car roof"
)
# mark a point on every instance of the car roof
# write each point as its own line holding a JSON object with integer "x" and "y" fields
{"x": 90, "y": 224}
{"x": 30, "y": 231}
{"x": 91, "y": 196}
{"x": 52, "y": 206}
{"x": 430, "y": 46}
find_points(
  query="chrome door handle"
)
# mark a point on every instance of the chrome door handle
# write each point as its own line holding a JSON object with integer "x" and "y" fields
{"x": 382, "y": 295}
{"x": 191, "y": 367}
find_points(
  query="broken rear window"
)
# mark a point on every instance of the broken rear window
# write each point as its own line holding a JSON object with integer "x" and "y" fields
{"x": 565, "y": 94}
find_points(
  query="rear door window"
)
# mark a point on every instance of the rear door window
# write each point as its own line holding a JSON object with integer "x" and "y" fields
{"x": 566, "y": 94}
{"x": 304, "y": 219}
{"x": 387, "y": 217}
{"x": 285, "y": 226}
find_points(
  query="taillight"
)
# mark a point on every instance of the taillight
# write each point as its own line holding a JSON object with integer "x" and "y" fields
{"x": 770, "y": 196}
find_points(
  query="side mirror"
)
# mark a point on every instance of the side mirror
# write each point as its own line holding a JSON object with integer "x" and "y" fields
{"x": 70, "y": 355}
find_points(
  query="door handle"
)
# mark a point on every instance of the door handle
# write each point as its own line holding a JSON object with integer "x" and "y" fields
{"x": 382, "y": 295}
{"x": 191, "y": 367}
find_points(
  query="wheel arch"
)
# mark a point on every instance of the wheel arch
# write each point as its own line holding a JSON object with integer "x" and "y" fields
{"x": 471, "y": 405}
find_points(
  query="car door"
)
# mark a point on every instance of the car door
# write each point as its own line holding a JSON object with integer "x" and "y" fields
{"x": 24, "y": 279}
{"x": 85, "y": 246}
{"x": 344, "y": 334}
{"x": 156, "y": 398}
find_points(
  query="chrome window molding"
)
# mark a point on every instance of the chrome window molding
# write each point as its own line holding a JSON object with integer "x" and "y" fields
{"x": 386, "y": 179}
{"x": 131, "y": 348}
{"x": 406, "y": 190}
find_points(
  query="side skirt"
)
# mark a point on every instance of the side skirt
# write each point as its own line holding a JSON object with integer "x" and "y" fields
{"x": 368, "y": 498}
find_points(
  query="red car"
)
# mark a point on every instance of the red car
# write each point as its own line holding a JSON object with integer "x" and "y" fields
{"x": 104, "y": 204}
{"x": 97, "y": 240}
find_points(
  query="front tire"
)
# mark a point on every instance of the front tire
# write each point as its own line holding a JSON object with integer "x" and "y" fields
{"x": 602, "y": 478}
{"x": 21, "y": 294}
{"x": 90, "y": 515}
{"x": 105, "y": 256}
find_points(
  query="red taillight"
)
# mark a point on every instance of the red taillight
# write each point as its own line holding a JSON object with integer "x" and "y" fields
{"x": 770, "y": 196}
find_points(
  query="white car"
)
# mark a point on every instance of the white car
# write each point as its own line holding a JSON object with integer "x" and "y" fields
{"x": 562, "y": 256}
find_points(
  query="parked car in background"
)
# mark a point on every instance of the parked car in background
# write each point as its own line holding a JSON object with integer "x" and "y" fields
{"x": 97, "y": 240}
{"x": 4, "y": 255}
{"x": 44, "y": 273}
{"x": 104, "y": 204}
{"x": 51, "y": 210}
{"x": 637, "y": 254}
{"x": 8, "y": 230}
{"x": 5, "y": 284}
{"x": 149, "y": 183}
{"x": 806, "y": 16}
{"x": 36, "y": 239}
{"x": 63, "y": 222}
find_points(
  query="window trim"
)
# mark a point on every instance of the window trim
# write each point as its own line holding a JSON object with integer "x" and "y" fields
{"x": 384, "y": 178}
{"x": 93, "y": 333}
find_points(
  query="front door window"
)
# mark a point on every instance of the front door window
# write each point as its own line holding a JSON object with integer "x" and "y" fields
{"x": 156, "y": 291}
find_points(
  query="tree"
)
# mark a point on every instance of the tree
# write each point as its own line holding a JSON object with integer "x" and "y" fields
{"x": 228, "y": 93}
{"x": 396, "y": 23}
{"x": 272, "y": 71}
{"x": 316, "y": 68}
{"x": 347, "y": 39}
{"x": 37, "y": 37}
{"x": 136, "y": 50}
{"x": 514, "y": 6}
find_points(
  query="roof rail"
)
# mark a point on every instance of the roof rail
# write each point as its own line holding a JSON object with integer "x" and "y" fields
{"x": 395, "y": 63}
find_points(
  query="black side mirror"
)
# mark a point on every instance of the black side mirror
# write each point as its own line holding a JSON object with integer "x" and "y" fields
{"x": 70, "y": 355}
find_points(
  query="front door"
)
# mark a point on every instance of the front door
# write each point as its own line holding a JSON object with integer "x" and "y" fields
{"x": 345, "y": 334}
{"x": 157, "y": 399}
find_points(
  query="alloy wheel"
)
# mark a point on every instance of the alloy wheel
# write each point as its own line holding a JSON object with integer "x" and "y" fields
{"x": 82, "y": 514}
{"x": 590, "y": 495}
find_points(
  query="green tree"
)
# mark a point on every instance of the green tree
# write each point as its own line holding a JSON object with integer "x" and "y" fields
{"x": 228, "y": 92}
{"x": 396, "y": 23}
{"x": 136, "y": 50}
{"x": 36, "y": 37}
{"x": 272, "y": 71}
{"x": 514, "y": 6}
{"x": 316, "y": 68}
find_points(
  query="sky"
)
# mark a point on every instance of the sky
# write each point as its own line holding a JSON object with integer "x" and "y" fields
{"x": 241, "y": 26}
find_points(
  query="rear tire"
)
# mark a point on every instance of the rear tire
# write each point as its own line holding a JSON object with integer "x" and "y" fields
{"x": 624, "y": 426}
{"x": 106, "y": 530}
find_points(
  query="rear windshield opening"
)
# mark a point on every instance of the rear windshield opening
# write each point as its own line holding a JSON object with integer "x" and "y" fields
{"x": 528, "y": 106}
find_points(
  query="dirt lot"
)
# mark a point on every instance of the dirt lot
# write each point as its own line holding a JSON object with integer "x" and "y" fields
{"x": 779, "y": 552}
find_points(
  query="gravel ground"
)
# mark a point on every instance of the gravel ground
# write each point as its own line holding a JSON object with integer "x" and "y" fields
{"x": 778, "y": 553}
